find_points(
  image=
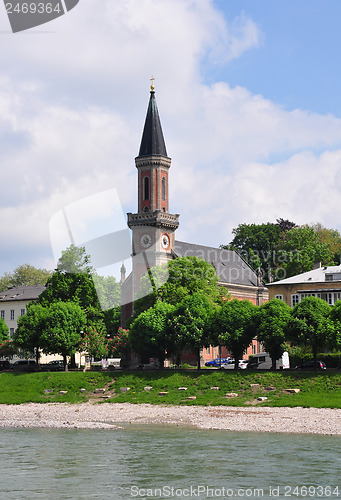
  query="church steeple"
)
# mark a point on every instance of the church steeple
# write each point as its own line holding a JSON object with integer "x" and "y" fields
{"x": 152, "y": 163}
{"x": 153, "y": 226}
{"x": 152, "y": 142}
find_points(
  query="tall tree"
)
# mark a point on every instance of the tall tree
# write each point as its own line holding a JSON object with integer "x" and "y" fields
{"x": 28, "y": 335}
{"x": 24, "y": 275}
{"x": 78, "y": 288}
{"x": 304, "y": 246}
{"x": 257, "y": 244}
{"x": 176, "y": 280}
{"x": 149, "y": 333}
{"x": 311, "y": 325}
{"x": 74, "y": 260}
{"x": 62, "y": 333}
{"x": 271, "y": 325}
{"x": 234, "y": 326}
{"x": 3, "y": 331}
{"x": 335, "y": 315}
{"x": 190, "y": 323}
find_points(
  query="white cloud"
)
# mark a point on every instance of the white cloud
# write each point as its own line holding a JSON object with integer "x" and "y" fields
{"x": 72, "y": 107}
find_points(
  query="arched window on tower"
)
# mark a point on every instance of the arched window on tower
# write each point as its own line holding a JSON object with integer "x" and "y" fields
{"x": 146, "y": 188}
{"x": 163, "y": 188}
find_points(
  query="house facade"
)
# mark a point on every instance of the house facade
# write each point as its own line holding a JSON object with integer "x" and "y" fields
{"x": 322, "y": 281}
{"x": 14, "y": 302}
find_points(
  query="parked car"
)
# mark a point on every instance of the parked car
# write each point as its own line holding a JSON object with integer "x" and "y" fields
{"x": 25, "y": 365}
{"x": 217, "y": 362}
{"x": 55, "y": 365}
{"x": 231, "y": 364}
{"x": 263, "y": 361}
{"x": 4, "y": 364}
{"x": 309, "y": 365}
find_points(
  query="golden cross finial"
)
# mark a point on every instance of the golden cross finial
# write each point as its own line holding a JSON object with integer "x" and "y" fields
{"x": 152, "y": 85}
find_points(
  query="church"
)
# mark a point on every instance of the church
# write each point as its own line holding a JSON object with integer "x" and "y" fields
{"x": 154, "y": 229}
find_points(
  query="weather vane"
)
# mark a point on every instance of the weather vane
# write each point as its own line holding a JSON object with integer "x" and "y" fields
{"x": 152, "y": 85}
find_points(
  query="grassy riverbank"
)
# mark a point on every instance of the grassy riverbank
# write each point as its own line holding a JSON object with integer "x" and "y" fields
{"x": 319, "y": 390}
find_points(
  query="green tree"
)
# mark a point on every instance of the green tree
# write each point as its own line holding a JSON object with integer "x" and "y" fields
{"x": 78, "y": 288}
{"x": 272, "y": 320}
{"x": 74, "y": 260}
{"x": 108, "y": 291}
{"x": 311, "y": 324}
{"x": 234, "y": 326}
{"x": 149, "y": 333}
{"x": 305, "y": 246}
{"x": 176, "y": 280}
{"x": 335, "y": 315}
{"x": 24, "y": 275}
{"x": 3, "y": 331}
{"x": 257, "y": 244}
{"x": 190, "y": 323}
{"x": 28, "y": 335}
{"x": 62, "y": 333}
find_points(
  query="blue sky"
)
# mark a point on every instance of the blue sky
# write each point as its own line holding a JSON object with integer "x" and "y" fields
{"x": 248, "y": 94}
{"x": 297, "y": 61}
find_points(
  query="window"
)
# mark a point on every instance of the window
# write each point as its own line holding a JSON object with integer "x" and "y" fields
{"x": 2, "y": 315}
{"x": 22, "y": 312}
{"x": 146, "y": 188}
{"x": 163, "y": 188}
{"x": 11, "y": 332}
{"x": 12, "y": 314}
{"x": 295, "y": 298}
{"x": 280, "y": 297}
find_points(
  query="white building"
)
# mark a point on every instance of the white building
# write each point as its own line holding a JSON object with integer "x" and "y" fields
{"x": 14, "y": 301}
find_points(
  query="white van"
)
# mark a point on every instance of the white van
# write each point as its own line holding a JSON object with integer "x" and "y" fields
{"x": 114, "y": 363}
{"x": 262, "y": 361}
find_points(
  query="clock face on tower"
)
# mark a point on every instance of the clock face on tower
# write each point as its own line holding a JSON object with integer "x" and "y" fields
{"x": 146, "y": 240}
{"x": 165, "y": 241}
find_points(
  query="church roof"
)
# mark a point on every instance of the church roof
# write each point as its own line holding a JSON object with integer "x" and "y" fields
{"x": 229, "y": 265}
{"x": 152, "y": 142}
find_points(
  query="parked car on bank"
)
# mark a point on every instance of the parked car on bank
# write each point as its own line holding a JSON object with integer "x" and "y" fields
{"x": 217, "y": 362}
{"x": 55, "y": 365}
{"x": 231, "y": 364}
{"x": 25, "y": 365}
{"x": 263, "y": 361}
{"x": 309, "y": 365}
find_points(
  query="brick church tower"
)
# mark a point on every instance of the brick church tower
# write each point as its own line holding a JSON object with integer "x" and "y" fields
{"x": 153, "y": 227}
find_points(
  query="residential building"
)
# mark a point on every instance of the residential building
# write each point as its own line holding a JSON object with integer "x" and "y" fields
{"x": 322, "y": 281}
{"x": 14, "y": 302}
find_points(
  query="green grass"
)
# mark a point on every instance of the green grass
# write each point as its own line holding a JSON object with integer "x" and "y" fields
{"x": 319, "y": 390}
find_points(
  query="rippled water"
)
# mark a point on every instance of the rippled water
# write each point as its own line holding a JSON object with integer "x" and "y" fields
{"x": 166, "y": 462}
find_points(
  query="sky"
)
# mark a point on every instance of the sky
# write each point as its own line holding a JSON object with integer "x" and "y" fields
{"x": 248, "y": 94}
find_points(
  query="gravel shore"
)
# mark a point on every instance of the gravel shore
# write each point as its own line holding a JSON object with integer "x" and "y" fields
{"x": 114, "y": 415}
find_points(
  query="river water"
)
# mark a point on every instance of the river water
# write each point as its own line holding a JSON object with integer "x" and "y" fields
{"x": 166, "y": 462}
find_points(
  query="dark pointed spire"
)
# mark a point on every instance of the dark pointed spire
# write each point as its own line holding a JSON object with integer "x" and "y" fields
{"x": 152, "y": 142}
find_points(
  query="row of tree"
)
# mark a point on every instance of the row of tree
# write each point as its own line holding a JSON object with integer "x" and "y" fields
{"x": 165, "y": 330}
{"x": 188, "y": 311}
